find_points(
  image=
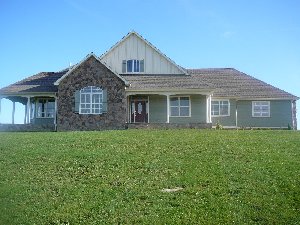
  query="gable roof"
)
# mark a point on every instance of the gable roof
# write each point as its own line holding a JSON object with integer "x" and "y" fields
{"x": 84, "y": 60}
{"x": 231, "y": 83}
{"x": 149, "y": 44}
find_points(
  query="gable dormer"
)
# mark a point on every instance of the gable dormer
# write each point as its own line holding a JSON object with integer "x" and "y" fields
{"x": 134, "y": 55}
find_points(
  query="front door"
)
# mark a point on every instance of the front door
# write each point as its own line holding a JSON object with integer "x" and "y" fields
{"x": 139, "y": 111}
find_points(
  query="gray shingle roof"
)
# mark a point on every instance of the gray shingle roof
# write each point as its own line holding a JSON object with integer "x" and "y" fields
{"x": 226, "y": 82}
{"x": 229, "y": 82}
{"x": 176, "y": 82}
{"x": 40, "y": 83}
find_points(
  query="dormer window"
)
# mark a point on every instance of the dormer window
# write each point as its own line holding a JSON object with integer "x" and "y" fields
{"x": 133, "y": 66}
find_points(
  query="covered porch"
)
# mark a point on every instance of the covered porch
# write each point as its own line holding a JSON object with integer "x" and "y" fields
{"x": 39, "y": 112}
{"x": 185, "y": 109}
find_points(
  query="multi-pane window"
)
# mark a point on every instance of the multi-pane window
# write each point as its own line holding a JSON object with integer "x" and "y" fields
{"x": 91, "y": 100}
{"x": 180, "y": 106}
{"x": 220, "y": 108}
{"x": 261, "y": 109}
{"x": 133, "y": 66}
{"x": 45, "y": 108}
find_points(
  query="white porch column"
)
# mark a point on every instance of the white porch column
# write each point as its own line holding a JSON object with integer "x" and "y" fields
{"x": 13, "y": 113}
{"x": 168, "y": 108}
{"x": 25, "y": 114}
{"x": 208, "y": 108}
{"x": 28, "y": 110}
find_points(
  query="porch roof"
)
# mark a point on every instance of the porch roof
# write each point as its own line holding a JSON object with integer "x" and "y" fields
{"x": 40, "y": 83}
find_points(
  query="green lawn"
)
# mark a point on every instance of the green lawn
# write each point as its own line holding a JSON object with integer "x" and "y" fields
{"x": 116, "y": 177}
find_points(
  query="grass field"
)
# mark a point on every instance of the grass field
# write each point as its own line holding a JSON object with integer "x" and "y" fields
{"x": 117, "y": 177}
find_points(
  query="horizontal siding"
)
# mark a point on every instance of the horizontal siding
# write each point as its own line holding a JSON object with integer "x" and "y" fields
{"x": 226, "y": 120}
{"x": 281, "y": 115}
{"x": 198, "y": 113}
{"x": 157, "y": 109}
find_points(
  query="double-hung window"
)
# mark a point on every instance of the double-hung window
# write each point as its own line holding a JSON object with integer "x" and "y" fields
{"x": 180, "y": 106}
{"x": 91, "y": 100}
{"x": 45, "y": 108}
{"x": 261, "y": 109}
{"x": 220, "y": 108}
{"x": 133, "y": 66}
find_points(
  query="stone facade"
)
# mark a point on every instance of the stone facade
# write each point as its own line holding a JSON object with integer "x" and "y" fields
{"x": 91, "y": 73}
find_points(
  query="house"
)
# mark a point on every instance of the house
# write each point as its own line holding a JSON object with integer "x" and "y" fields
{"x": 134, "y": 84}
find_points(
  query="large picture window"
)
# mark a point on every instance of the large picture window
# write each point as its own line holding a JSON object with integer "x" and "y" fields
{"x": 91, "y": 100}
{"x": 220, "y": 108}
{"x": 45, "y": 108}
{"x": 261, "y": 109}
{"x": 180, "y": 106}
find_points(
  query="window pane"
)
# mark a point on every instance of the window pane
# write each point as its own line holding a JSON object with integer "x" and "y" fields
{"x": 174, "y": 111}
{"x": 184, "y": 101}
{"x": 184, "y": 111}
{"x": 174, "y": 101}
{"x": 215, "y": 110}
{"x": 136, "y": 66}
{"x": 224, "y": 110}
{"x": 129, "y": 66}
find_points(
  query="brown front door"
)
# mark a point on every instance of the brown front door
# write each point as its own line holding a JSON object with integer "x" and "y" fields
{"x": 139, "y": 111}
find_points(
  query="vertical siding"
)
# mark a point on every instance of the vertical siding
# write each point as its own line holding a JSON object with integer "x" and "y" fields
{"x": 281, "y": 115}
{"x": 135, "y": 48}
{"x": 226, "y": 120}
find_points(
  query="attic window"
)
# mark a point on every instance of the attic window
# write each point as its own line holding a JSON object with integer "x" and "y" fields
{"x": 133, "y": 66}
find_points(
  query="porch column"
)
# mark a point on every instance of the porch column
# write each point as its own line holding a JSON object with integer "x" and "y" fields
{"x": 168, "y": 108}
{"x": 208, "y": 108}
{"x": 13, "y": 113}
{"x": 28, "y": 110}
{"x": 25, "y": 115}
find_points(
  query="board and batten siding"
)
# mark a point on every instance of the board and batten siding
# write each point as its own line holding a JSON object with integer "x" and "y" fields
{"x": 133, "y": 47}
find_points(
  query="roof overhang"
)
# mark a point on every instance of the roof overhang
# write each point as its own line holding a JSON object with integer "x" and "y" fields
{"x": 168, "y": 91}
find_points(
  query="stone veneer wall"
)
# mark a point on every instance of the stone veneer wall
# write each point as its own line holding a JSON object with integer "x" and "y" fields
{"x": 91, "y": 73}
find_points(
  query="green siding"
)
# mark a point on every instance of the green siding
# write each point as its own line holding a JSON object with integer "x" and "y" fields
{"x": 41, "y": 121}
{"x": 198, "y": 113}
{"x": 281, "y": 115}
{"x": 226, "y": 120}
{"x": 157, "y": 109}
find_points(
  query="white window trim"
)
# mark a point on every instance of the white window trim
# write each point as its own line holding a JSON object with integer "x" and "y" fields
{"x": 133, "y": 66}
{"x": 190, "y": 105}
{"x": 261, "y": 116}
{"x": 91, "y": 98}
{"x": 219, "y": 107}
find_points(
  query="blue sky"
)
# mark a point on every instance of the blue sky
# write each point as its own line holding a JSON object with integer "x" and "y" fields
{"x": 258, "y": 37}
